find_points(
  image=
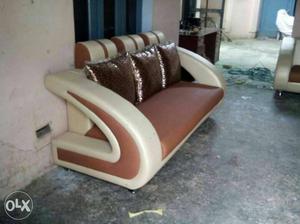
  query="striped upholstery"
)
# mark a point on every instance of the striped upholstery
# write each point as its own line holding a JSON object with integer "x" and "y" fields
{"x": 96, "y": 50}
{"x": 93, "y": 50}
{"x": 149, "y": 38}
{"x": 129, "y": 43}
{"x": 154, "y": 37}
{"x": 138, "y": 41}
{"x": 124, "y": 43}
{"x": 160, "y": 35}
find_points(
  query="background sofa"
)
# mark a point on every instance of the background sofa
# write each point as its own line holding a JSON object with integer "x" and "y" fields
{"x": 114, "y": 140}
{"x": 287, "y": 75}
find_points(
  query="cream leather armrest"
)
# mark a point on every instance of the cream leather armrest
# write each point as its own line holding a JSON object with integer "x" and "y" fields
{"x": 126, "y": 114}
{"x": 284, "y": 63}
{"x": 201, "y": 69}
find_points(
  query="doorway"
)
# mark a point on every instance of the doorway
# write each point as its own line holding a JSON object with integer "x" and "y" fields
{"x": 268, "y": 14}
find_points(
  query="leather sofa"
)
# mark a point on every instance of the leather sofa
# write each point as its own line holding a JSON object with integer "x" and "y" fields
{"x": 287, "y": 74}
{"x": 114, "y": 140}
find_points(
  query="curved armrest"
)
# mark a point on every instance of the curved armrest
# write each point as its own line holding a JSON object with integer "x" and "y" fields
{"x": 126, "y": 114}
{"x": 201, "y": 69}
{"x": 284, "y": 63}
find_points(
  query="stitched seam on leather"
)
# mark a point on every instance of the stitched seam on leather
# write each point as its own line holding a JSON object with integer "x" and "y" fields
{"x": 104, "y": 48}
{"x": 134, "y": 41}
{"x": 157, "y": 37}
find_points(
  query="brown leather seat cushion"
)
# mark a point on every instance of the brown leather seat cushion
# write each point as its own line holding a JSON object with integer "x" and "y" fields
{"x": 295, "y": 74}
{"x": 175, "y": 111}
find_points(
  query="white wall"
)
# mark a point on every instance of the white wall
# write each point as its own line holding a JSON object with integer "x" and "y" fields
{"x": 36, "y": 38}
{"x": 147, "y": 15}
{"x": 166, "y": 17}
{"x": 241, "y": 18}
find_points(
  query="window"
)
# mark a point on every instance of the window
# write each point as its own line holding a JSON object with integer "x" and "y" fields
{"x": 95, "y": 19}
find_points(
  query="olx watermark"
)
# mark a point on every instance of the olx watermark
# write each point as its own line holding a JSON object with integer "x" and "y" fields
{"x": 18, "y": 205}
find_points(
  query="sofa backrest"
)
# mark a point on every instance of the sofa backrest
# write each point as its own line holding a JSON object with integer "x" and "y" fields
{"x": 93, "y": 50}
{"x": 96, "y": 50}
{"x": 153, "y": 37}
{"x": 297, "y": 52}
{"x": 128, "y": 43}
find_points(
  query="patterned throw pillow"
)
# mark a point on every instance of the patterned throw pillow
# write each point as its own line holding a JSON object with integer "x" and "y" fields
{"x": 115, "y": 74}
{"x": 147, "y": 72}
{"x": 171, "y": 62}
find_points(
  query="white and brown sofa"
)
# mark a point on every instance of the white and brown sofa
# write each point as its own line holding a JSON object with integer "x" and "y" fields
{"x": 287, "y": 75}
{"x": 117, "y": 141}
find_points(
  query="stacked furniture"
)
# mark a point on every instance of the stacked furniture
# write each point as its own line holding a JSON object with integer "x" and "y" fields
{"x": 287, "y": 74}
{"x": 125, "y": 137}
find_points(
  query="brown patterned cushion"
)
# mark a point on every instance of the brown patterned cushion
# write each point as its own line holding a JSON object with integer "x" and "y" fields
{"x": 115, "y": 74}
{"x": 147, "y": 73}
{"x": 171, "y": 62}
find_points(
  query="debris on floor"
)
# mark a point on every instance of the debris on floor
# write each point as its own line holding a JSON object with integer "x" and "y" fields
{"x": 134, "y": 214}
{"x": 246, "y": 97}
{"x": 240, "y": 82}
{"x": 250, "y": 62}
{"x": 256, "y": 73}
{"x": 259, "y": 77}
{"x": 227, "y": 66}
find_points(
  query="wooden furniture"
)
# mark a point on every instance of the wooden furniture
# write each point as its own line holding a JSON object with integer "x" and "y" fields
{"x": 206, "y": 43}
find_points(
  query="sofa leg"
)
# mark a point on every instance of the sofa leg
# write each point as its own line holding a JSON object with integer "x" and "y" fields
{"x": 132, "y": 191}
{"x": 278, "y": 94}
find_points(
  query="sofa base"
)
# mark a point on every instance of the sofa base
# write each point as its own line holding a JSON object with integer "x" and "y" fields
{"x": 74, "y": 143}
